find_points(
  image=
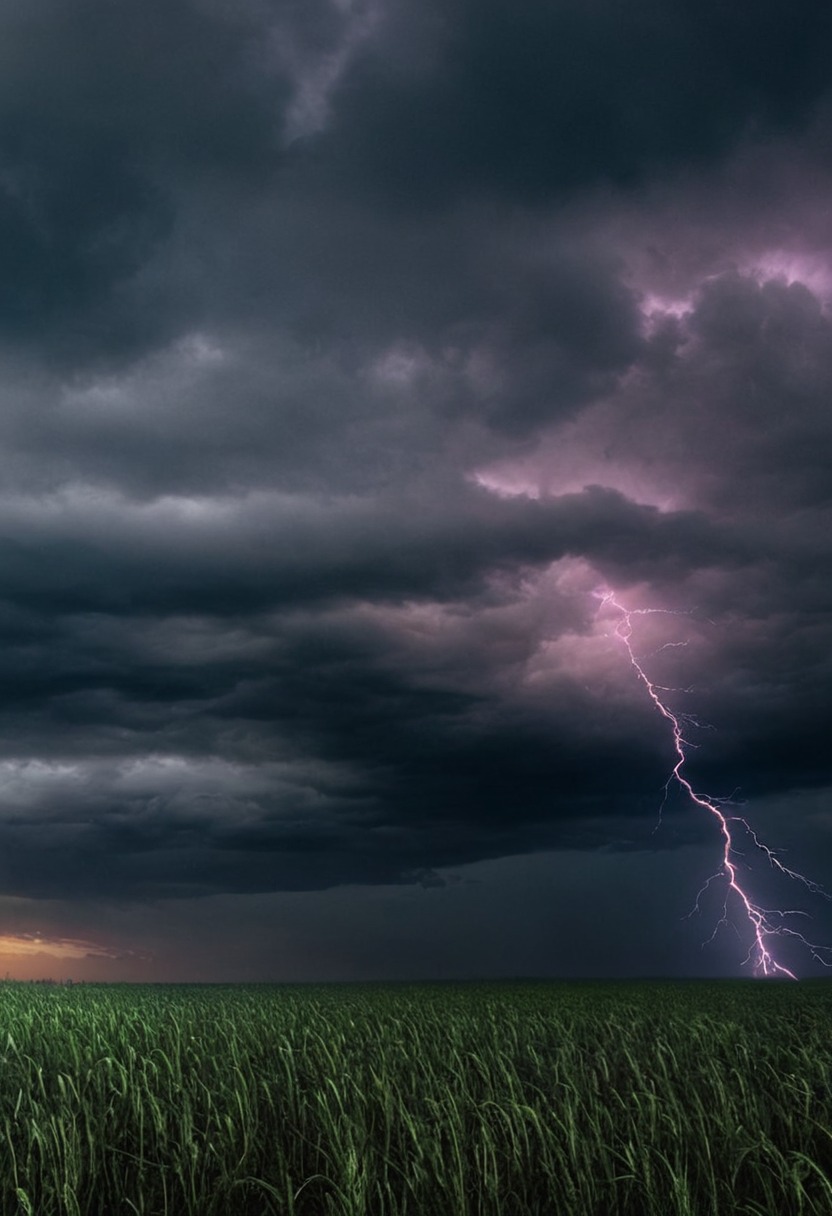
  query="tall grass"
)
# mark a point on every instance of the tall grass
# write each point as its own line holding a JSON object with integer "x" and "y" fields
{"x": 426, "y": 1100}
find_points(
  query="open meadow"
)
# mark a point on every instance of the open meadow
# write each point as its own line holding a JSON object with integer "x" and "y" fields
{"x": 581, "y": 1099}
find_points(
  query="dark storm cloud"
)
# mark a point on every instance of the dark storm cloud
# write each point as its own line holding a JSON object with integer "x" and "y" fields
{"x": 230, "y": 556}
{"x": 532, "y": 100}
{"x": 348, "y": 349}
{"x": 515, "y": 341}
{"x": 107, "y": 110}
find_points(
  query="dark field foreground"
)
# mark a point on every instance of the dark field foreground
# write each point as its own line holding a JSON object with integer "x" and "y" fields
{"x": 645, "y": 1099}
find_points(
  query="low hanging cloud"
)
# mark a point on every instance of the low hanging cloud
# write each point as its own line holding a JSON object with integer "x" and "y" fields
{"x": 348, "y": 349}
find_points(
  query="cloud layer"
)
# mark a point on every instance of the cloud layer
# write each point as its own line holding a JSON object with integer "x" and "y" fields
{"x": 347, "y": 350}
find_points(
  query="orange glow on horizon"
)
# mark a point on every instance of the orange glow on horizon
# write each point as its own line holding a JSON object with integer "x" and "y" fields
{"x": 28, "y": 944}
{"x": 39, "y": 956}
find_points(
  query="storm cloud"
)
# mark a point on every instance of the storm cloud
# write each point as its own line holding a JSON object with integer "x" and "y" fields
{"x": 349, "y": 352}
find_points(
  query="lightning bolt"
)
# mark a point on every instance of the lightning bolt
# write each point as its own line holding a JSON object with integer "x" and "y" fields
{"x": 764, "y": 924}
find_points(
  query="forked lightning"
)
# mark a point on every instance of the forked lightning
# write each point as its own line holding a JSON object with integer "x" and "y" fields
{"x": 765, "y": 924}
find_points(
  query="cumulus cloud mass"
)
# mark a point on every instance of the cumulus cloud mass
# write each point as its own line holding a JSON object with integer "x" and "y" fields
{"x": 348, "y": 348}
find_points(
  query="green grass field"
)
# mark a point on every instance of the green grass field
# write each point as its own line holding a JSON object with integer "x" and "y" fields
{"x": 592, "y": 1099}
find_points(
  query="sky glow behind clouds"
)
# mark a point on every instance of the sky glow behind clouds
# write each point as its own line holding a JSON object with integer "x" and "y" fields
{"x": 346, "y": 350}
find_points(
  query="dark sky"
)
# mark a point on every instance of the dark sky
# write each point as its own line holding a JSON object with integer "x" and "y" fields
{"x": 348, "y": 350}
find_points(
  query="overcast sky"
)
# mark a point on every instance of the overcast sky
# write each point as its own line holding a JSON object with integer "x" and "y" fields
{"x": 349, "y": 351}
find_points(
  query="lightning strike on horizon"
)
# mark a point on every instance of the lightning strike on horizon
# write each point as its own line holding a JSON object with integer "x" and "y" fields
{"x": 764, "y": 923}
